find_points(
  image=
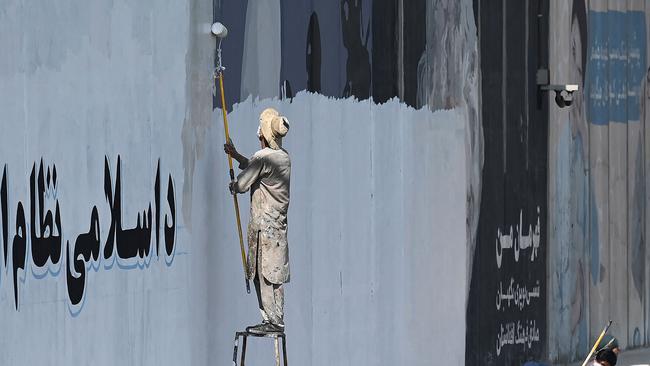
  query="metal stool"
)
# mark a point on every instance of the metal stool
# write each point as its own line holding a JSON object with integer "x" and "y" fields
{"x": 245, "y": 336}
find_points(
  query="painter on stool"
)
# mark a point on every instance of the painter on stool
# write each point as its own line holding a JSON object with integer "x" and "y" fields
{"x": 267, "y": 175}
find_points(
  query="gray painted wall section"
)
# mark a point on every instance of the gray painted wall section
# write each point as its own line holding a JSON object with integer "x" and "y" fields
{"x": 377, "y": 233}
{"x": 449, "y": 74}
{"x": 377, "y": 222}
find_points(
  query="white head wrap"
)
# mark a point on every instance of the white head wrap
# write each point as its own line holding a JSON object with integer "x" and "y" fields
{"x": 273, "y": 127}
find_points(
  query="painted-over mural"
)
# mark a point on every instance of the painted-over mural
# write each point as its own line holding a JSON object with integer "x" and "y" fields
{"x": 597, "y": 181}
{"x": 422, "y": 52}
{"x": 336, "y": 48}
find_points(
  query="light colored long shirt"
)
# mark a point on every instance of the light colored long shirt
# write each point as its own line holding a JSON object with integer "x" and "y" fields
{"x": 267, "y": 174}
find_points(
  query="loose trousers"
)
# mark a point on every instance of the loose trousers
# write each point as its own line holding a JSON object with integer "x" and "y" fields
{"x": 270, "y": 296}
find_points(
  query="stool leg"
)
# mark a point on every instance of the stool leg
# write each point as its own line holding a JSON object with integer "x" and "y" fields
{"x": 243, "y": 350}
{"x": 284, "y": 350}
{"x": 234, "y": 352}
{"x": 277, "y": 353}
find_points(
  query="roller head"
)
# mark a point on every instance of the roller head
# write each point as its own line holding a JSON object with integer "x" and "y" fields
{"x": 219, "y": 30}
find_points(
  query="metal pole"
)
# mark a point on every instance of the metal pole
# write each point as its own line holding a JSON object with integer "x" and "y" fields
{"x": 234, "y": 350}
{"x": 600, "y": 338}
{"x": 219, "y": 74}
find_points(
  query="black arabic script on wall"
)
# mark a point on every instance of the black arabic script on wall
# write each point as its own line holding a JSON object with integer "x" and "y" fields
{"x": 42, "y": 236}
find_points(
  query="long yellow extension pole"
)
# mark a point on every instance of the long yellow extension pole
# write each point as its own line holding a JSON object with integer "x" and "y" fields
{"x": 600, "y": 338}
{"x": 219, "y": 75}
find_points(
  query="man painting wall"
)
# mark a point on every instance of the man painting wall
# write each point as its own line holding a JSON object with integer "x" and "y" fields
{"x": 267, "y": 175}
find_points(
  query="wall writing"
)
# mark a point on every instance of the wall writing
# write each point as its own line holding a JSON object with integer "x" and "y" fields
{"x": 37, "y": 235}
{"x": 507, "y": 304}
{"x": 517, "y": 298}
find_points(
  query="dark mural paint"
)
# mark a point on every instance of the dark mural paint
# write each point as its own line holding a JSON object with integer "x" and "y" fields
{"x": 349, "y": 48}
{"x": 293, "y": 38}
{"x": 313, "y": 55}
{"x": 414, "y": 44}
{"x": 333, "y": 52}
{"x": 513, "y": 187}
{"x": 384, "y": 46}
{"x": 355, "y": 40}
{"x": 285, "y": 90}
{"x": 232, "y": 47}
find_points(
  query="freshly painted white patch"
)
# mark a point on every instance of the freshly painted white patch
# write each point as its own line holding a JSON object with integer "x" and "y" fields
{"x": 377, "y": 232}
{"x": 449, "y": 77}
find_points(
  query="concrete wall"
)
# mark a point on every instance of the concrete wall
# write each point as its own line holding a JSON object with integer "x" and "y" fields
{"x": 116, "y": 97}
{"x": 506, "y": 312}
{"x": 418, "y": 144}
{"x": 369, "y": 267}
{"x": 597, "y": 180}
{"x": 377, "y": 188}
{"x": 83, "y": 82}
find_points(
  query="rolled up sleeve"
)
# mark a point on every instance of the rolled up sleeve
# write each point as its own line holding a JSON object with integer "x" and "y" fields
{"x": 249, "y": 175}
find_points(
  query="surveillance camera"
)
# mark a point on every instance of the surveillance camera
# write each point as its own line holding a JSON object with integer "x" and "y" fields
{"x": 563, "y": 98}
{"x": 563, "y": 93}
